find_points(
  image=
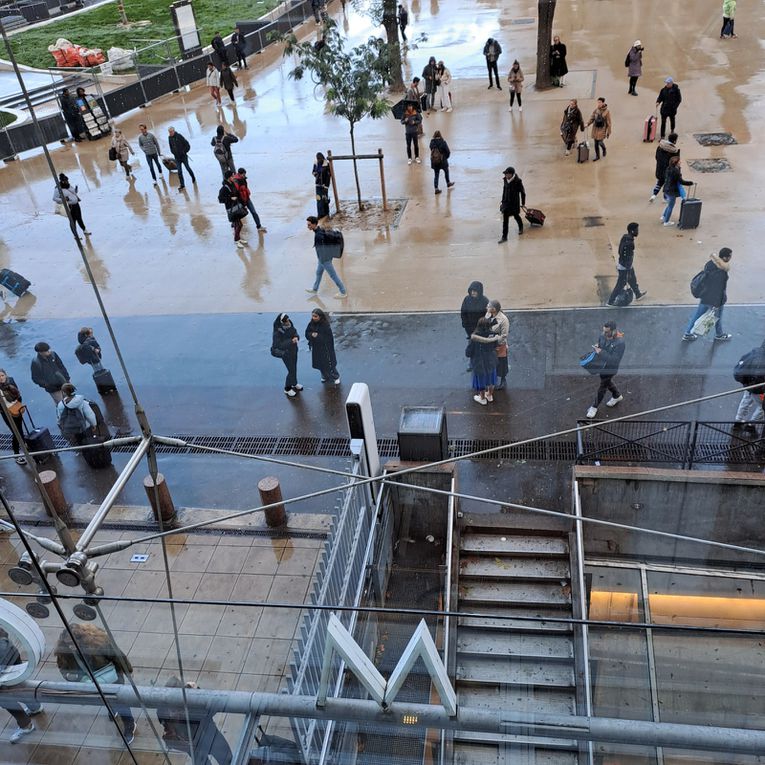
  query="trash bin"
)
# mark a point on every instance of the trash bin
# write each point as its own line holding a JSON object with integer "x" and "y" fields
{"x": 422, "y": 434}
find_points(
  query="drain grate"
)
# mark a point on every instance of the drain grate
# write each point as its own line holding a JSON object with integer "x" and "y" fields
{"x": 590, "y": 221}
{"x": 715, "y": 139}
{"x": 714, "y": 165}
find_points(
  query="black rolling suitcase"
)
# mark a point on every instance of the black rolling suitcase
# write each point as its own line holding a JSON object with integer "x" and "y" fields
{"x": 96, "y": 457}
{"x": 690, "y": 211}
{"x": 14, "y": 282}
{"x": 104, "y": 381}
{"x": 38, "y": 440}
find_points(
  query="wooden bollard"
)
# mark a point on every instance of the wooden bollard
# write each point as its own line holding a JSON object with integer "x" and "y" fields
{"x": 166, "y": 509}
{"x": 52, "y": 485}
{"x": 270, "y": 492}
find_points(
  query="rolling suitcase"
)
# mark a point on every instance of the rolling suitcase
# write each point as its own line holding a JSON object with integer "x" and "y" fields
{"x": 101, "y": 429}
{"x": 170, "y": 163}
{"x": 583, "y": 152}
{"x": 690, "y": 211}
{"x": 99, "y": 457}
{"x": 38, "y": 440}
{"x": 534, "y": 217}
{"x": 14, "y": 282}
{"x": 104, "y": 381}
{"x": 649, "y": 129}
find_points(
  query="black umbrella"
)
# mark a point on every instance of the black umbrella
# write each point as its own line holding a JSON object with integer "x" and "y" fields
{"x": 398, "y": 109}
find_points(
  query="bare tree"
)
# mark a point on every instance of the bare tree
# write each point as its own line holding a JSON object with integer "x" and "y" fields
{"x": 384, "y": 12}
{"x": 546, "y": 10}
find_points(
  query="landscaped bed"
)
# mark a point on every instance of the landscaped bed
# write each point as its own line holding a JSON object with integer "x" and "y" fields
{"x": 99, "y": 28}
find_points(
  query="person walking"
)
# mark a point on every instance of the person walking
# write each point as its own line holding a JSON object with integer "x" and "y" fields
{"x": 610, "y": 349}
{"x": 411, "y": 121}
{"x": 239, "y": 42}
{"x": 228, "y": 80}
{"x": 402, "y": 16}
{"x": 212, "y": 80}
{"x": 322, "y": 177}
{"x": 558, "y": 66}
{"x": 88, "y": 351}
{"x": 483, "y": 356}
{"x": 750, "y": 370}
{"x": 319, "y": 9}
{"x": 220, "y": 48}
{"x": 513, "y": 199}
{"x": 324, "y": 254}
{"x": 712, "y": 293}
{"x": 123, "y": 151}
{"x": 72, "y": 115}
{"x": 473, "y": 308}
{"x": 665, "y": 150}
{"x": 221, "y": 144}
{"x": 48, "y": 371}
{"x": 600, "y": 119}
{"x": 228, "y": 196}
{"x": 69, "y": 198}
{"x": 21, "y": 713}
{"x": 515, "y": 85}
{"x": 75, "y": 416}
{"x": 430, "y": 75}
{"x": 321, "y": 342}
{"x": 492, "y": 51}
{"x": 634, "y": 64}
{"x": 180, "y": 148}
{"x": 444, "y": 77}
{"x": 572, "y": 121}
{"x": 13, "y": 404}
{"x": 150, "y": 147}
{"x": 103, "y": 657}
{"x": 500, "y": 326}
{"x": 669, "y": 100}
{"x": 240, "y": 181}
{"x": 624, "y": 268}
{"x": 284, "y": 345}
{"x": 673, "y": 188}
{"x": 439, "y": 160}
{"x": 728, "y": 22}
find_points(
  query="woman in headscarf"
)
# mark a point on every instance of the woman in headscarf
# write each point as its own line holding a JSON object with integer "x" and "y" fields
{"x": 482, "y": 350}
{"x": 321, "y": 341}
{"x": 323, "y": 177}
{"x": 284, "y": 346}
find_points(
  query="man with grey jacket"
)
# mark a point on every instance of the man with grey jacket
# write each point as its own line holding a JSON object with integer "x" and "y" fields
{"x": 150, "y": 145}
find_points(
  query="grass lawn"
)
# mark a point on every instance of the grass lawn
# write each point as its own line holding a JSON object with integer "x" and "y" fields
{"x": 98, "y": 28}
{"x": 6, "y": 118}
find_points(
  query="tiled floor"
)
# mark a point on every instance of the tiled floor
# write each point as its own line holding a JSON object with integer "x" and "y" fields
{"x": 237, "y": 647}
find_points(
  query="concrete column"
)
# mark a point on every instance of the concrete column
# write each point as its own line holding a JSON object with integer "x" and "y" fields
{"x": 52, "y": 485}
{"x": 160, "y": 500}
{"x": 270, "y": 492}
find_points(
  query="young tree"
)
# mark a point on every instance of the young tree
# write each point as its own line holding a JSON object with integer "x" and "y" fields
{"x": 384, "y": 12}
{"x": 544, "y": 39}
{"x": 354, "y": 81}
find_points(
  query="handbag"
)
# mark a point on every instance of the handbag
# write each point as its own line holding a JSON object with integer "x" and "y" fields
{"x": 113, "y": 153}
{"x": 16, "y": 409}
{"x": 501, "y": 351}
{"x": 237, "y": 211}
{"x": 705, "y": 322}
{"x": 59, "y": 209}
{"x": 592, "y": 362}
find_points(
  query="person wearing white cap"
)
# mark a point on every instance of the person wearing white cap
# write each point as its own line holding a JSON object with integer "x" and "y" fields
{"x": 669, "y": 99}
{"x": 634, "y": 64}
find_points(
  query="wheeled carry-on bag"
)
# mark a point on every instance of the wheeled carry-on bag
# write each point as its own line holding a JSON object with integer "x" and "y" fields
{"x": 14, "y": 282}
{"x": 583, "y": 152}
{"x": 104, "y": 381}
{"x": 97, "y": 457}
{"x": 690, "y": 211}
{"x": 649, "y": 129}
{"x": 38, "y": 440}
{"x": 170, "y": 163}
{"x": 534, "y": 217}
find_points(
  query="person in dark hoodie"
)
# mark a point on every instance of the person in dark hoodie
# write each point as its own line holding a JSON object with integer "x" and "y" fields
{"x": 666, "y": 149}
{"x": 513, "y": 199}
{"x": 624, "y": 268}
{"x": 669, "y": 99}
{"x": 284, "y": 346}
{"x": 88, "y": 351}
{"x": 713, "y": 293}
{"x": 221, "y": 144}
{"x": 673, "y": 181}
{"x": 750, "y": 370}
{"x": 321, "y": 341}
{"x": 473, "y": 308}
{"x": 610, "y": 349}
{"x": 439, "y": 159}
{"x": 492, "y": 51}
{"x": 48, "y": 371}
{"x": 482, "y": 351}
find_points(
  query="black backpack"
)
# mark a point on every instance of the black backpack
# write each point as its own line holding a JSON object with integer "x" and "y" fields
{"x": 600, "y": 121}
{"x": 697, "y": 283}
{"x": 625, "y": 297}
{"x": 750, "y": 369}
{"x": 333, "y": 237}
{"x": 72, "y": 422}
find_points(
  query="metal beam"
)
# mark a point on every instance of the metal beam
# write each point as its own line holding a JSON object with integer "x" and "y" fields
{"x": 601, "y": 729}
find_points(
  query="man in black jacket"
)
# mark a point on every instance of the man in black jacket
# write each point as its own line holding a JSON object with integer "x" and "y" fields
{"x": 402, "y": 16}
{"x": 72, "y": 115}
{"x": 666, "y": 149}
{"x": 713, "y": 293}
{"x": 624, "y": 268}
{"x": 750, "y": 370}
{"x": 513, "y": 198}
{"x": 669, "y": 99}
{"x": 492, "y": 51}
{"x": 610, "y": 349}
{"x": 220, "y": 48}
{"x": 48, "y": 371}
{"x": 240, "y": 45}
{"x": 325, "y": 254}
{"x": 180, "y": 148}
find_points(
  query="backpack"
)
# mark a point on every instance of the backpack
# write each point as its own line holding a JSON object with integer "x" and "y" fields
{"x": 219, "y": 150}
{"x": 112, "y": 153}
{"x": 436, "y": 158}
{"x": 697, "y": 283}
{"x": 334, "y": 238}
{"x": 277, "y": 353}
{"x": 72, "y": 422}
{"x": 600, "y": 121}
{"x": 81, "y": 352}
{"x": 751, "y": 367}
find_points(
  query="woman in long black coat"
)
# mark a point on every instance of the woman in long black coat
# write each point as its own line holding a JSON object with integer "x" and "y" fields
{"x": 558, "y": 66}
{"x": 284, "y": 346}
{"x": 321, "y": 341}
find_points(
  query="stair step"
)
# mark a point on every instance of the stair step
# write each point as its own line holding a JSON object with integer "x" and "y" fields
{"x": 504, "y": 567}
{"x": 509, "y": 544}
{"x": 490, "y": 643}
{"x": 532, "y": 700}
{"x": 495, "y": 670}
{"x": 522, "y": 593}
{"x": 490, "y": 618}
{"x": 468, "y": 753}
{"x": 516, "y": 521}
{"x": 538, "y": 742}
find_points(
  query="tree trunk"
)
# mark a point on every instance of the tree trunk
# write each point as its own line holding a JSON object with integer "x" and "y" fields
{"x": 121, "y": 11}
{"x": 356, "y": 169}
{"x": 544, "y": 40}
{"x": 394, "y": 49}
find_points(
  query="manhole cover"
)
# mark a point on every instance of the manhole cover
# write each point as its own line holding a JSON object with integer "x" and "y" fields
{"x": 592, "y": 220}
{"x": 714, "y": 139}
{"x": 716, "y": 165}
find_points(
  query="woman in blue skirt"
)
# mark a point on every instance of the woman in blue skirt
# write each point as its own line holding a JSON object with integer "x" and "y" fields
{"x": 482, "y": 352}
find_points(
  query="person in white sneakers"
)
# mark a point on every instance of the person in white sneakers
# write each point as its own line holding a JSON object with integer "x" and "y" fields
{"x": 444, "y": 87}
{"x": 610, "y": 349}
{"x": 21, "y": 713}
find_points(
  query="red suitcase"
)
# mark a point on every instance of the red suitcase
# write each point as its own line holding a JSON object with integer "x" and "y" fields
{"x": 534, "y": 217}
{"x": 649, "y": 129}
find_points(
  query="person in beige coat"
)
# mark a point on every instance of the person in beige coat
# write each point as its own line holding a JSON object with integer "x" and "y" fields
{"x": 515, "y": 85}
{"x": 444, "y": 87}
{"x": 601, "y": 127}
{"x": 123, "y": 149}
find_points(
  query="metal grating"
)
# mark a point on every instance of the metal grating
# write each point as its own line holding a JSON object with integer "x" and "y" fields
{"x": 713, "y": 165}
{"x": 717, "y": 444}
{"x": 635, "y": 441}
{"x": 715, "y": 139}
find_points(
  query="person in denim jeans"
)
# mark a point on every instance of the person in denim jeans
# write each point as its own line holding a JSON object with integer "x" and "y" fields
{"x": 324, "y": 253}
{"x": 150, "y": 145}
{"x": 713, "y": 293}
{"x": 673, "y": 188}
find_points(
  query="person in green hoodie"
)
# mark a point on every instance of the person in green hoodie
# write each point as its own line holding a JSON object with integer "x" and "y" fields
{"x": 729, "y": 13}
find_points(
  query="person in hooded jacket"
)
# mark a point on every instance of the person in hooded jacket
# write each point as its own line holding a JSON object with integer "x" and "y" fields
{"x": 74, "y": 402}
{"x": 500, "y": 326}
{"x": 515, "y": 85}
{"x": 321, "y": 342}
{"x": 10, "y": 393}
{"x": 483, "y": 356}
{"x": 751, "y": 408}
{"x": 439, "y": 159}
{"x": 572, "y": 121}
{"x": 284, "y": 345}
{"x": 610, "y": 349}
{"x": 88, "y": 351}
{"x": 229, "y": 196}
{"x": 322, "y": 177}
{"x": 492, "y": 50}
{"x": 669, "y": 100}
{"x": 513, "y": 199}
{"x": 221, "y": 144}
{"x": 600, "y": 119}
{"x": 430, "y": 75}
{"x": 673, "y": 183}
{"x": 72, "y": 115}
{"x": 473, "y": 308}
{"x": 624, "y": 268}
{"x": 48, "y": 371}
{"x": 714, "y": 293}
{"x": 666, "y": 149}
{"x": 634, "y": 64}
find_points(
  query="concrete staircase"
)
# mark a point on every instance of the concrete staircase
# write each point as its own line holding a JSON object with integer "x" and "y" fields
{"x": 510, "y": 664}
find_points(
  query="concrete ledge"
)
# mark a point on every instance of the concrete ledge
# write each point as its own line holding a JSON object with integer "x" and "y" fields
{"x": 673, "y": 475}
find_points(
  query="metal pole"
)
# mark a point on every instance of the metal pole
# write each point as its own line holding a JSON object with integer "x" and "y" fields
{"x": 382, "y": 179}
{"x": 332, "y": 177}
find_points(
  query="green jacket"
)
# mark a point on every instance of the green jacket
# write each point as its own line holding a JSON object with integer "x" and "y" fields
{"x": 729, "y": 8}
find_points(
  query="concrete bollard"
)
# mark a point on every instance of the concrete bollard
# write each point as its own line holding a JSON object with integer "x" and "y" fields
{"x": 270, "y": 492}
{"x": 52, "y": 485}
{"x": 162, "y": 496}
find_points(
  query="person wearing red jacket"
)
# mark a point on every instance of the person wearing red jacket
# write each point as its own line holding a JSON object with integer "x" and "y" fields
{"x": 240, "y": 181}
